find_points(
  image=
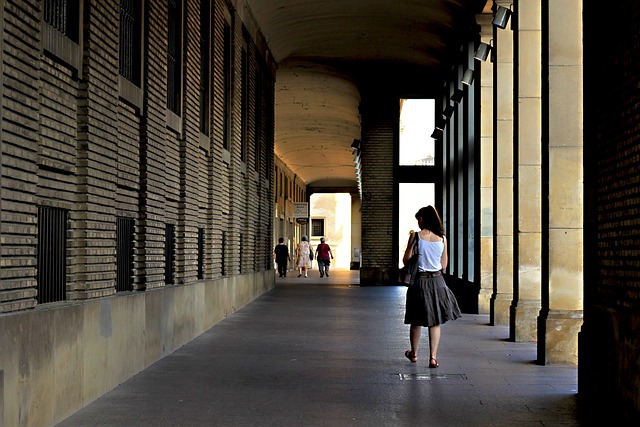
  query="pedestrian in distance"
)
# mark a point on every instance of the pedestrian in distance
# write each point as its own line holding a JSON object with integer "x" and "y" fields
{"x": 303, "y": 254}
{"x": 430, "y": 303}
{"x": 281, "y": 255}
{"x": 324, "y": 257}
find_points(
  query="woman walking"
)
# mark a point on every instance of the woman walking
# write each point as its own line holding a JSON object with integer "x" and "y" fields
{"x": 430, "y": 303}
{"x": 302, "y": 253}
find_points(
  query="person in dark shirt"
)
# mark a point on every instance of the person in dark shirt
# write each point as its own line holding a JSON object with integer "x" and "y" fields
{"x": 324, "y": 257}
{"x": 281, "y": 255}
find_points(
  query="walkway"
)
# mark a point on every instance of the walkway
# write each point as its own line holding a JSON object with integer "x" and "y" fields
{"x": 326, "y": 352}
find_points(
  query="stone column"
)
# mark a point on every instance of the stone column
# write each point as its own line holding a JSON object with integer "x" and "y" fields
{"x": 486, "y": 170}
{"x": 564, "y": 317}
{"x": 503, "y": 175}
{"x": 528, "y": 155}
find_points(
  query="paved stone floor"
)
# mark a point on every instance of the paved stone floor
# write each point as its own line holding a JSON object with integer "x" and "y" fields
{"x": 326, "y": 352}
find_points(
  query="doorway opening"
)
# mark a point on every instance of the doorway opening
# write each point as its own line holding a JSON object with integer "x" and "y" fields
{"x": 330, "y": 217}
{"x": 416, "y": 166}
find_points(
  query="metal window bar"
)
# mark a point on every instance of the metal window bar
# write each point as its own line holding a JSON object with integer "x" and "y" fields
{"x": 52, "y": 255}
{"x": 317, "y": 227}
{"x": 63, "y": 16}
{"x": 200, "y": 253}
{"x": 259, "y": 111}
{"x": 244, "y": 64}
{"x": 205, "y": 60}
{"x": 255, "y": 253}
{"x": 127, "y": 38}
{"x": 222, "y": 252}
{"x": 124, "y": 254}
{"x": 241, "y": 252}
{"x": 169, "y": 253}
{"x": 174, "y": 50}
{"x": 227, "y": 86}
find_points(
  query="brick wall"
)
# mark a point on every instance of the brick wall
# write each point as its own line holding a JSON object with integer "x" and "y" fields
{"x": 69, "y": 141}
{"x": 20, "y": 146}
{"x": 609, "y": 374}
{"x": 379, "y": 123}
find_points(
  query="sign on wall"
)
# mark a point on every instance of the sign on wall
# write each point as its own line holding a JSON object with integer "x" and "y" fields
{"x": 301, "y": 210}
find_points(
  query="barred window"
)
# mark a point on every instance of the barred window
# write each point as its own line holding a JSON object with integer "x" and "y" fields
{"x": 200, "y": 253}
{"x": 242, "y": 246}
{"x": 169, "y": 253}
{"x": 245, "y": 98}
{"x": 63, "y": 15}
{"x": 174, "y": 56}
{"x": 124, "y": 254}
{"x": 317, "y": 227}
{"x": 130, "y": 40}
{"x": 228, "y": 63}
{"x": 223, "y": 256}
{"x": 205, "y": 64}
{"x": 51, "y": 254}
{"x": 258, "y": 116}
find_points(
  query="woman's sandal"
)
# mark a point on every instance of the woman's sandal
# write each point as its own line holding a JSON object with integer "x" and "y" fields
{"x": 433, "y": 363}
{"x": 412, "y": 357}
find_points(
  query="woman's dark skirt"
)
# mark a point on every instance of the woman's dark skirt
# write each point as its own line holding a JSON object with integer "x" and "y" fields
{"x": 430, "y": 302}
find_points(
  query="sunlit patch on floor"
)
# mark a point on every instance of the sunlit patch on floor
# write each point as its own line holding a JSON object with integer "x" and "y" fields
{"x": 429, "y": 377}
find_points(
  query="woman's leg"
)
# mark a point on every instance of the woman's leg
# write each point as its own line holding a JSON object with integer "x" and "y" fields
{"x": 434, "y": 340}
{"x": 414, "y": 336}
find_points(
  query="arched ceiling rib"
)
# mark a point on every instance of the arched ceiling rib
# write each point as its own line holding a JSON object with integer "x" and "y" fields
{"x": 329, "y": 51}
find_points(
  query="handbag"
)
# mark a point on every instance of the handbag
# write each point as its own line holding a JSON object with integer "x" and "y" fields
{"x": 409, "y": 272}
{"x": 310, "y": 254}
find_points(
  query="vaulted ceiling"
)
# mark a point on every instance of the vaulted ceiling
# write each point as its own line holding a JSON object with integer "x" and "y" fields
{"x": 331, "y": 52}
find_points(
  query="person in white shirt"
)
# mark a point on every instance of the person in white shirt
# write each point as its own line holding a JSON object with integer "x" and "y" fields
{"x": 430, "y": 303}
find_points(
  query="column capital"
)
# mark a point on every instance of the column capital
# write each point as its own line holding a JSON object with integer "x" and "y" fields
{"x": 504, "y": 3}
{"x": 484, "y": 22}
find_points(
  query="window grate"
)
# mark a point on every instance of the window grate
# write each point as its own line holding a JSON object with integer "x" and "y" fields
{"x": 124, "y": 254}
{"x": 63, "y": 16}
{"x": 205, "y": 63}
{"x": 222, "y": 253}
{"x": 241, "y": 252}
{"x": 244, "y": 102}
{"x": 228, "y": 63}
{"x": 130, "y": 29}
{"x": 169, "y": 253}
{"x": 174, "y": 56}
{"x": 317, "y": 227}
{"x": 200, "y": 253}
{"x": 52, "y": 254}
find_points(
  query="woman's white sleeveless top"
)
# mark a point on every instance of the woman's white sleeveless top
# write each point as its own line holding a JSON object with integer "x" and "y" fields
{"x": 430, "y": 255}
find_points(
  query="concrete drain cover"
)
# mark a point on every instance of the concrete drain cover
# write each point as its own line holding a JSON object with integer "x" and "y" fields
{"x": 430, "y": 377}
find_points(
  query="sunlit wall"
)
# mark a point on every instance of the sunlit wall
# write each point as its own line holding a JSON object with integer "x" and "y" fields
{"x": 335, "y": 210}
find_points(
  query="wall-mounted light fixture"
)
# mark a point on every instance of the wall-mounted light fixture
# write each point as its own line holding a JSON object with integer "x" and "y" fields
{"x": 437, "y": 133}
{"x": 467, "y": 78}
{"x": 448, "y": 112}
{"x": 457, "y": 96}
{"x": 355, "y": 144}
{"x": 483, "y": 50}
{"x": 440, "y": 123}
{"x": 501, "y": 17}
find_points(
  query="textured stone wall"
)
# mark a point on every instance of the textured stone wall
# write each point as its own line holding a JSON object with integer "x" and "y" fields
{"x": 71, "y": 142}
{"x": 379, "y": 123}
{"x": 72, "y": 139}
{"x": 609, "y": 344}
